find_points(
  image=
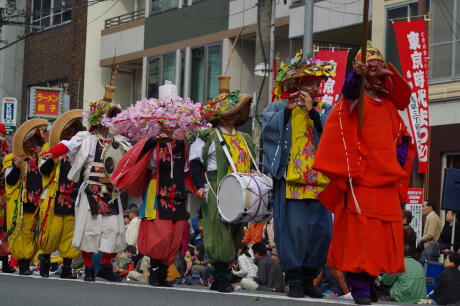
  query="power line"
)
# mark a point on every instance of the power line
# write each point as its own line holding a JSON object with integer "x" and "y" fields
{"x": 105, "y": 12}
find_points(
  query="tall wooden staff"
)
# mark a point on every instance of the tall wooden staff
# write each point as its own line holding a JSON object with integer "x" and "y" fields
{"x": 363, "y": 60}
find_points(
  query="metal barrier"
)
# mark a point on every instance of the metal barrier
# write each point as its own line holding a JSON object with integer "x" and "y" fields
{"x": 125, "y": 18}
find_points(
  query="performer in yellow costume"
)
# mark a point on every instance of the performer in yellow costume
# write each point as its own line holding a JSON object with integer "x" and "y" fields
{"x": 23, "y": 191}
{"x": 57, "y": 208}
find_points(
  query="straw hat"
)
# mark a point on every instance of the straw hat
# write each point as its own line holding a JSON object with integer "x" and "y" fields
{"x": 228, "y": 103}
{"x": 61, "y": 123}
{"x": 23, "y": 132}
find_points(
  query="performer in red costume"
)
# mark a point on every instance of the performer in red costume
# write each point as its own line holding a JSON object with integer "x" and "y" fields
{"x": 369, "y": 167}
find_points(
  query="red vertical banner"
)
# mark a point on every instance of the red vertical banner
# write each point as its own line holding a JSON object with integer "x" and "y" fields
{"x": 333, "y": 86}
{"x": 412, "y": 41}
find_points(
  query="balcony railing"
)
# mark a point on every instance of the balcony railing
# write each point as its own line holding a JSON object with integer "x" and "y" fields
{"x": 125, "y": 18}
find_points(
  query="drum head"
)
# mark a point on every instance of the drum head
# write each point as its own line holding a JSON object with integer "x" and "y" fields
{"x": 230, "y": 195}
{"x": 111, "y": 155}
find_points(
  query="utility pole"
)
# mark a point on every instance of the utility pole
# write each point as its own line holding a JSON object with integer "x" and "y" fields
{"x": 308, "y": 27}
{"x": 262, "y": 70}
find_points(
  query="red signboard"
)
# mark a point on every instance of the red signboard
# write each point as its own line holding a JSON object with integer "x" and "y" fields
{"x": 413, "y": 52}
{"x": 415, "y": 196}
{"x": 47, "y": 102}
{"x": 333, "y": 86}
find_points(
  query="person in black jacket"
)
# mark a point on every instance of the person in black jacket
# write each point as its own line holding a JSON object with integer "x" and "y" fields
{"x": 446, "y": 235}
{"x": 447, "y": 289}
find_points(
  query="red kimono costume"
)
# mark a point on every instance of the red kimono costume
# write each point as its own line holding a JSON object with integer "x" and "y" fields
{"x": 368, "y": 184}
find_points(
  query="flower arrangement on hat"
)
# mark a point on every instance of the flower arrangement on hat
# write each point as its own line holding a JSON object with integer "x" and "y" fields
{"x": 303, "y": 67}
{"x": 175, "y": 116}
{"x": 221, "y": 104}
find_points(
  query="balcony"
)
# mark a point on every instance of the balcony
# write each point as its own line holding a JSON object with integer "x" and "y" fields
{"x": 125, "y": 18}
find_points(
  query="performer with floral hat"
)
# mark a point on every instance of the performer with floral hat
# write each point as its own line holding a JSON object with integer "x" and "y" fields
{"x": 292, "y": 128}
{"x": 98, "y": 213}
{"x": 23, "y": 191}
{"x": 4, "y": 249}
{"x": 57, "y": 209}
{"x": 156, "y": 169}
{"x": 369, "y": 166}
{"x": 209, "y": 165}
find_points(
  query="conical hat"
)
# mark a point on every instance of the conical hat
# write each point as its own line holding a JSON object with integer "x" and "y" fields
{"x": 61, "y": 123}
{"x": 23, "y": 131}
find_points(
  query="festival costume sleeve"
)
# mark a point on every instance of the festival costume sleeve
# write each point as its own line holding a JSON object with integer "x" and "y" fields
{"x": 273, "y": 132}
{"x": 196, "y": 171}
{"x": 13, "y": 195}
{"x": 47, "y": 167}
{"x": 58, "y": 150}
{"x": 13, "y": 176}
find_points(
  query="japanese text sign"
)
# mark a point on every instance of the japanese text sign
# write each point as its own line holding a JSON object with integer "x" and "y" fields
{"x": 414, "y": 205}
{"x": 412, "y": 43}
{"x": 332, "y": 87}
{"x": 47, "y": 102}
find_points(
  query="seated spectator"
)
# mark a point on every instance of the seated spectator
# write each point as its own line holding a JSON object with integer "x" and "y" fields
{"x": 132, "y": 229}
{"x": 200, "y": 263}
{"x": 141, "y": 272}
{"x": 447, "y": 289}
{"x": 407, "y": 287}
{"x": 247, "y": 269}
{"x": 123, "y": 258}
{"x": 197, "y": 226}
{"x": 446, "y": 234}
{"x": 269, "y": 275}
{"x": 331, "y": 282}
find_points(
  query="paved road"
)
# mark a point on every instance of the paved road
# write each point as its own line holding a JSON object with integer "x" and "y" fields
{"x": 35, "y": 291}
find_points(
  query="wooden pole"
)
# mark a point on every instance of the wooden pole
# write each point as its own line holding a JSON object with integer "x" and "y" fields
{"x": 363, "y": 60}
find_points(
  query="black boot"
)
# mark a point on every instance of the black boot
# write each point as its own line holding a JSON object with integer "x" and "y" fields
{"x": 363, "y": 300}
{"x": 66, "y": 270}
{"x": 308, "y": 276}
{"x": 6, "y": 268}
{"x": 45, "y": 265}
{"x": 106, "y": 272}
{"x": 24, "y": 268}
{"x": 154, "y": 272}
{"x": 295, "y": 283}
{"x": 221, "y": 281}
{"x": 90, "y": 274}
{"x": 163, "y": 271}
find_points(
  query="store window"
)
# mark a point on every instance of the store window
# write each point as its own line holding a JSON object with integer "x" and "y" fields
{"x": 206, "y": 65}
{"x": 46, "y": 13}
{"x": 161, "y": 5}
{"x": 161, "y": 68}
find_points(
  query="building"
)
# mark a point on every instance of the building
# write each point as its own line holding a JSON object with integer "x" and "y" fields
{"x": 444, "y": 87}
{"x": 11, "y": 49}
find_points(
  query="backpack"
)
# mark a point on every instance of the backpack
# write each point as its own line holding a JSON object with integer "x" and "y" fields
{"x": 194, "y": 279}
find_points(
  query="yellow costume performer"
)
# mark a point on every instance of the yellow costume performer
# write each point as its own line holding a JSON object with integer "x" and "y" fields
{"x": 57, "y": 208}
{"x": 23, "y": 191}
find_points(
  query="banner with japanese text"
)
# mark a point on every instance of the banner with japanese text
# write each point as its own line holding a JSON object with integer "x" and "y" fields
{"x": 332, "y": 88}
{"x": 47, "y": 102}
{"x": 412, "y": 41}
{"x": 414, "y": 205}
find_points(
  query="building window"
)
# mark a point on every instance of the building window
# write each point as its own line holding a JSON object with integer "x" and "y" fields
{"x": 161, "y": 5}
{"x": 391, "y": 51}
{"x": 46, "y": 13}
{"x": 161, "y": 68}
{"x": 206, "y": 64}
{"x": 445, "y": 40}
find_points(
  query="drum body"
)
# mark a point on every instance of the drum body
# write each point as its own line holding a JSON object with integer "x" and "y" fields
{"x": 243, "y": 197}
{"x": 111, "y": 155}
